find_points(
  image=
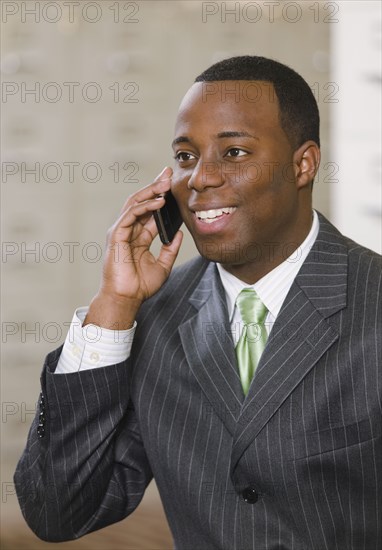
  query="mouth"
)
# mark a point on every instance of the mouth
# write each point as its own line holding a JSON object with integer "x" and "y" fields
{"x": 213, "y": 215}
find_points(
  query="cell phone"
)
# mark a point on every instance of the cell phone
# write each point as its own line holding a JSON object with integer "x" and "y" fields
{"x": 168, "y": 219}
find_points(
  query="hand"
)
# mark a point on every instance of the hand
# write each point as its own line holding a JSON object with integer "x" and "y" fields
{"x": 131, "y": 273}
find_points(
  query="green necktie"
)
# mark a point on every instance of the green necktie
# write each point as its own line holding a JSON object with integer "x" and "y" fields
{"x": 254, "y": 336}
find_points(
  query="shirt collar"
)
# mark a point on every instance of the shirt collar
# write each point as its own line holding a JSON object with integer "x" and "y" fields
{"x": 273, "y": 288}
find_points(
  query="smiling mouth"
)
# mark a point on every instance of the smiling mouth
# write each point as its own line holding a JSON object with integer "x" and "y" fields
{"x": 210, "y": 216}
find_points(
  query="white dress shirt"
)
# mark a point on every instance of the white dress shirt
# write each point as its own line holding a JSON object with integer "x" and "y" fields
{"x": 92, "y": 346}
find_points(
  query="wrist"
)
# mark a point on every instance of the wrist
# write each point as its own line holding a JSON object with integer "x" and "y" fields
{"x": 112, "y": 312}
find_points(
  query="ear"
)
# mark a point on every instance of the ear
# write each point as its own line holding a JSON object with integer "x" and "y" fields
{"x": 306, "y": 160}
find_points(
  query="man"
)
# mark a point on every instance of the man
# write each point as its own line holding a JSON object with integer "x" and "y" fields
{"x": 285, "y": 457}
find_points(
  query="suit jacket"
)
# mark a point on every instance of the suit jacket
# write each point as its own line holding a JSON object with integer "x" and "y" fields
{"x": 297, "y": 464}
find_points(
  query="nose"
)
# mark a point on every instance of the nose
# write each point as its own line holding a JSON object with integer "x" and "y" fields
{"x": 206, "y": 174}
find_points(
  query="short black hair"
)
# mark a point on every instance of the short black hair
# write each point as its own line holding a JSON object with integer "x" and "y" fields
{"x": 299, "y": 116}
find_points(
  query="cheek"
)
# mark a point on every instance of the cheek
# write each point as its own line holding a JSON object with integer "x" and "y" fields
{"x": 181, "y": 193}
{"x": 261, "y": 204}
{"x": 267, "y": 185}
{"x": 179, "y": 182}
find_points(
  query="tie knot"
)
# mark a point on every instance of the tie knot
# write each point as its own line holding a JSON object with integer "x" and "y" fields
{"x": 251, "y": 308}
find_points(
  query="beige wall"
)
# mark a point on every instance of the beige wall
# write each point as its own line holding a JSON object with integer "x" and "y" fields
{"x": 159, "y": 49}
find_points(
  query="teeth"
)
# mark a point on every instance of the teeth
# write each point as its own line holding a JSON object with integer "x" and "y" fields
{"x": 210, "y": 215}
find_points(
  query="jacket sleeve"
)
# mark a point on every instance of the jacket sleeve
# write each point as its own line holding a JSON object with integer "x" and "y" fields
{"x": 84, "y": 465}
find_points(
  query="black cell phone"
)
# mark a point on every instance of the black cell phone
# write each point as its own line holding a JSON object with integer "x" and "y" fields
{"x": 168, "y": 219}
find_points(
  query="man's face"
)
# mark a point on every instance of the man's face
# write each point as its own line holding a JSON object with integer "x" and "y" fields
{"x": 234, "y": 178}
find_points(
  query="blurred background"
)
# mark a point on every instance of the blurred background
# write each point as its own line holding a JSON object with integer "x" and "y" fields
{"x": 90, "y": 92}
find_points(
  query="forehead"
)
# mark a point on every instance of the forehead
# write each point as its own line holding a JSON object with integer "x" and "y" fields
{"x": 241, "y": 102}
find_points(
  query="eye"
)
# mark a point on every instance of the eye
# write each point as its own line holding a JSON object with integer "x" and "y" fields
{"x": 236, "y": 152}
{"x": 183, "y": 156}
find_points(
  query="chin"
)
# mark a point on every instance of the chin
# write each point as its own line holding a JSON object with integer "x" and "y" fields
{"x": 222, "y": 253}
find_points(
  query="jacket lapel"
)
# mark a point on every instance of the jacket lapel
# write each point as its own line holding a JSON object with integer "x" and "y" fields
{"x": 209, "y": 348}
{"x": 300, "y": 335}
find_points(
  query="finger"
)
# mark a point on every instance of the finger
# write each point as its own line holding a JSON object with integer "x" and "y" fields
{"x": 146, "y": 234}
{"x": 151, "y": 226}
{"x": 160, "y": 185}
{"x": 135, "y": 224}
{"x": 139, "y": 212}
{"x": 169, "y": 252}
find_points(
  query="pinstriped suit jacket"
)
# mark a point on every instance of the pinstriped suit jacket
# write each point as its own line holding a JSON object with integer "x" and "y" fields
{"x": 304, "y": 446}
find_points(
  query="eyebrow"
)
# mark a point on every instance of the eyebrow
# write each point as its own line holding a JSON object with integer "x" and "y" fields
{"x": 236, "y": 134}
{"x": 229, "y": 134}
{"x": 181, "y": 139}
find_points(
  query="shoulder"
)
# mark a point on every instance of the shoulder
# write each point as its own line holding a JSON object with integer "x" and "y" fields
{"x": 365, "y": 278}
{"x": 364, "y": 266}
{"x": 358, "y": 256}
{"x": 364, "y": 261}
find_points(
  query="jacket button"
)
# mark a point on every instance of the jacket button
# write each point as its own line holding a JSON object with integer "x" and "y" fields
{"x": 250, "y": 495}
{"x": 40, "y": 431}
{"x": 42, "y": 402}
